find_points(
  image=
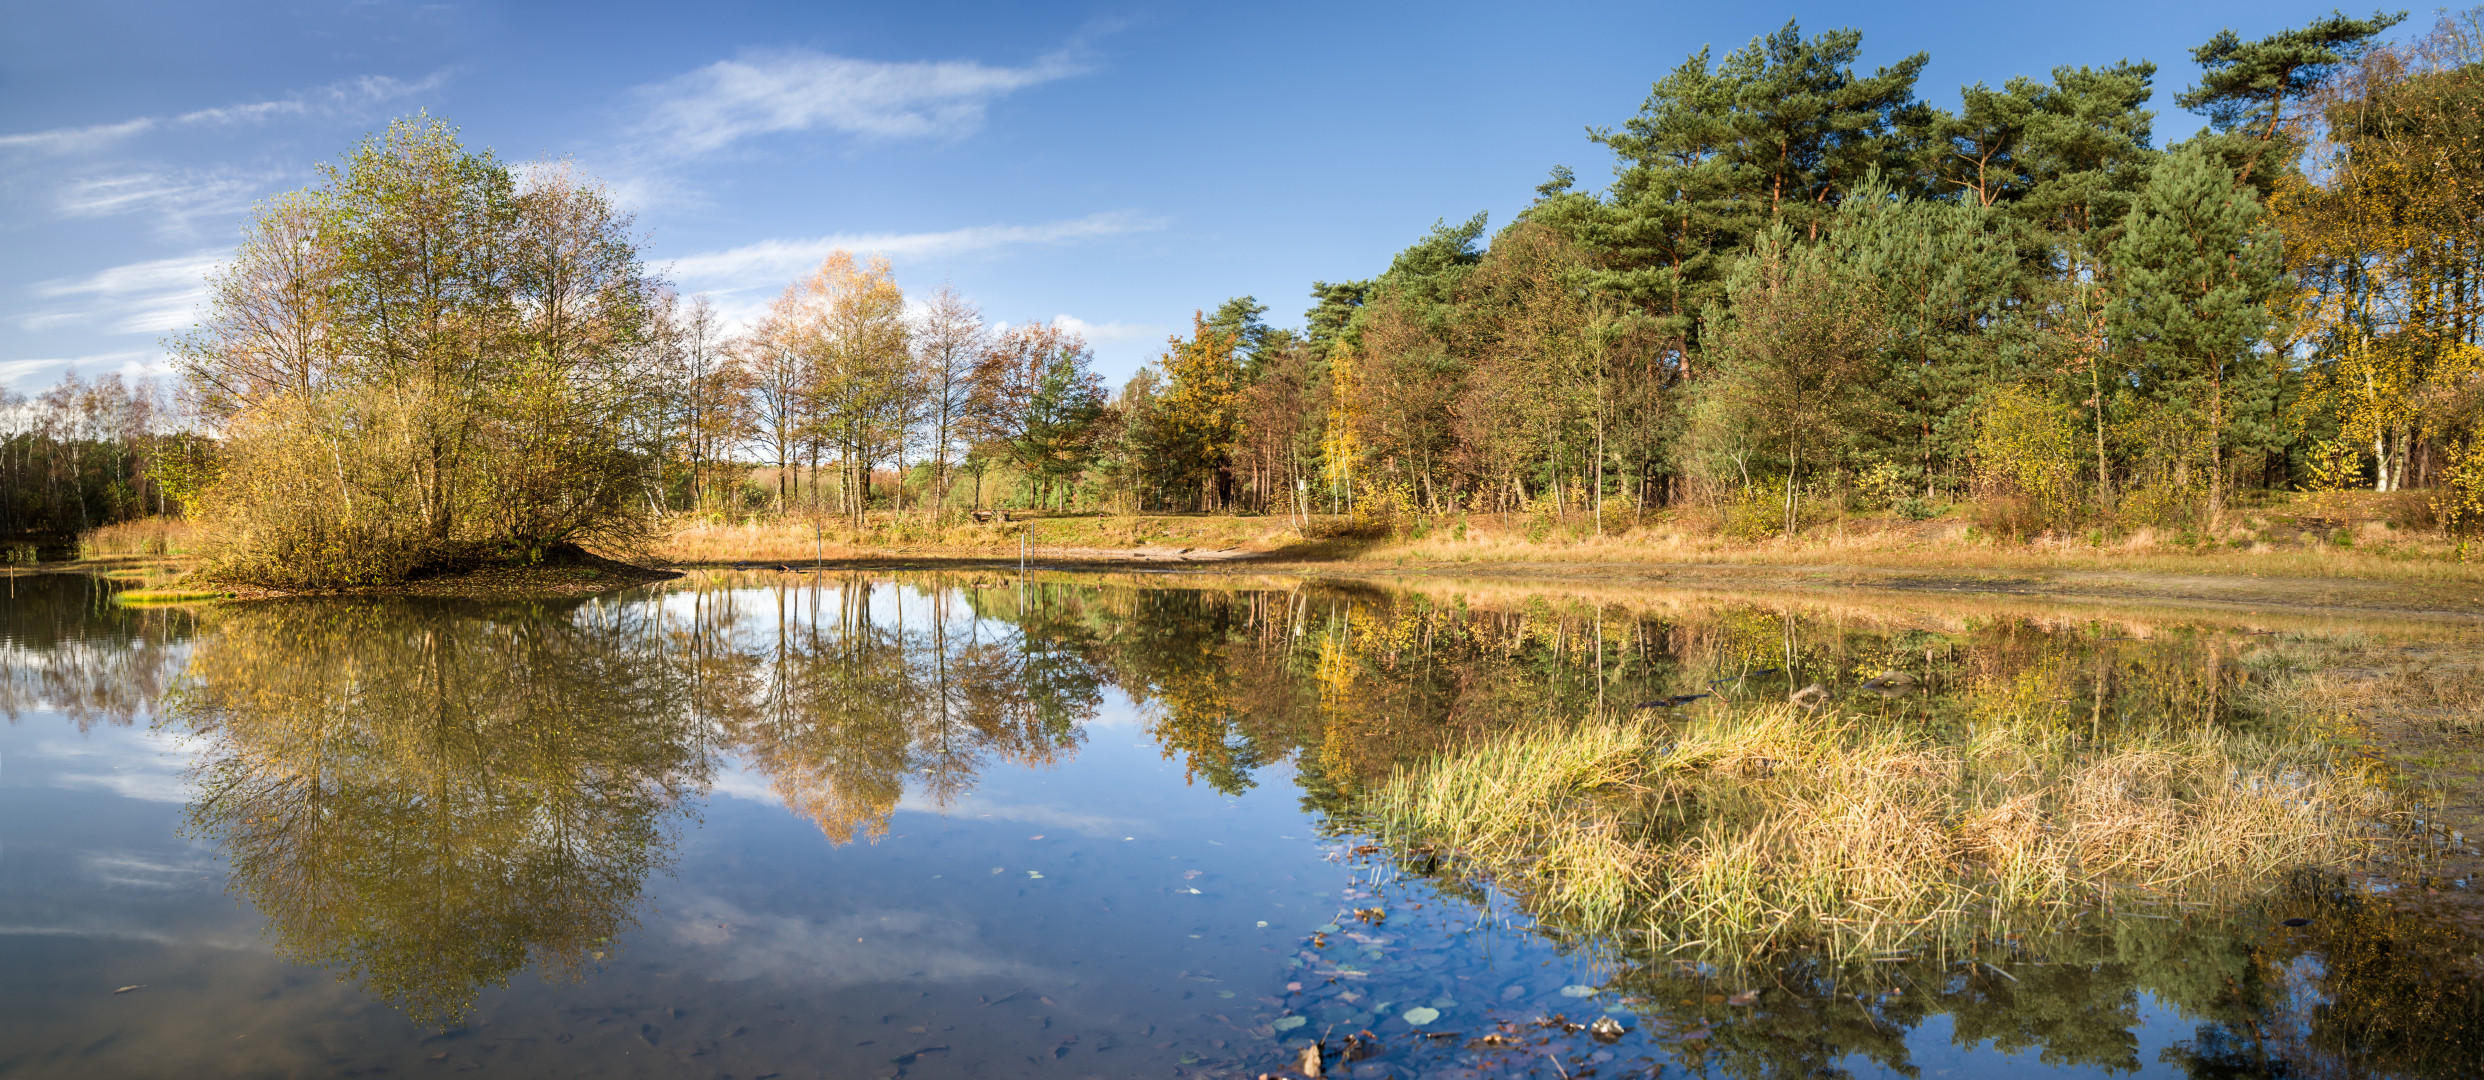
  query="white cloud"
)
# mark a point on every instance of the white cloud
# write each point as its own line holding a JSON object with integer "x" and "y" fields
{"x": 137, "y": 298}
{"x": 73, "y": 140}
{"x": 771, "y": 263}
{"x": 335, "y": 98}
{"x": 338, "y": 98}
{"x": 783, "y": 90}
{"x": 131, "y": 363}
{"x": 1111, "y": 331}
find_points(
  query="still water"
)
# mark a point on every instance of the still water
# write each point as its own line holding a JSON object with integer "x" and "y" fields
{"x": 940, "y": 826}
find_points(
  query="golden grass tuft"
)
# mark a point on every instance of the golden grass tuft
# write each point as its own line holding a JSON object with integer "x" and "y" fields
{"x": 143, "y": 536}
{"x": 1753, "y": 826}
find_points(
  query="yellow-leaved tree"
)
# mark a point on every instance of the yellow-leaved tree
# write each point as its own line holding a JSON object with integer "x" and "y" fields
{"x": 424, "y": 361}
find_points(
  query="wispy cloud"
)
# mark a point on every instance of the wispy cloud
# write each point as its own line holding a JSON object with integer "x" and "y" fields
{"x": 770, "y": 263}
{"x": 133, "y": 363}
{"x": 136, "y": 298}
{"x": 787, "y": 90}
{"x": 76, "y": 139}
{"x": 338, "y": 98}
{"x": 177, "y": 198}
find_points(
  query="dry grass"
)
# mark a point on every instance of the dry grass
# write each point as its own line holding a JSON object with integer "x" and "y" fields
{"x": 144, "y": 536}
{"x": 692, "y": 542}
{"x": 1752, "y": 826}
{"x": 2380, "y": 552}
{"x": 2338, "y": 537}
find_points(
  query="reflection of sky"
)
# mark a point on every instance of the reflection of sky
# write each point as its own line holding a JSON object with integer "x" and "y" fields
{"x": 1068, "y": 880}
{"x": 1099, "y": 906}
{"x": 88, "y": 845}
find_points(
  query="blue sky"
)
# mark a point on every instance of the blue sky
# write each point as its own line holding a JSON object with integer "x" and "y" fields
{"x": 1115, "y": 165}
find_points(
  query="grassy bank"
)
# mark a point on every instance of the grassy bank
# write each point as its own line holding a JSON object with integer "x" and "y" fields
{"x": 2330, "y": 537}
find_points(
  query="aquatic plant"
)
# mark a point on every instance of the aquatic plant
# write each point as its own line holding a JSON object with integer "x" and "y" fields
{"x": 1743, "y": 827}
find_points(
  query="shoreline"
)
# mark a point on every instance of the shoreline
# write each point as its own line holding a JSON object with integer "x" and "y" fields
{"x": 2212, "y": 584}
{"x": 2226, "y": 591}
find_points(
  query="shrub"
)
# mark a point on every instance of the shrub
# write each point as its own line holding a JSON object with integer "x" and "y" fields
{"x": 2027, "y": 459}
{"x": 1881, "y": 487}
{"x": 2460, "y": 504}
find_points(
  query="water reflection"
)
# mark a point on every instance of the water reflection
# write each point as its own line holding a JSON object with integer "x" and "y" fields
{"x": 431, "y": 797}
{"x": 841, "y": 707}
{"x": 67, "y": 648}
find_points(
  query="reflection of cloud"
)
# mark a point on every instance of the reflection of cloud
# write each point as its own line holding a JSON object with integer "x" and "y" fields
{"x": 895, "y": 945}
{"x": 148, "y": 787}
{"x": 784, "y": 90}
{"x": 124, "y": 868}
{"x": 136, "y": 298}
{"x": 1049, "y": 815}
{"x": 773, "y": 263}
{"x": 742, "y": 782}
{"x": 239, "y": 942}
{"x": 138, "y": 765}
{"x": 335, "y": 98}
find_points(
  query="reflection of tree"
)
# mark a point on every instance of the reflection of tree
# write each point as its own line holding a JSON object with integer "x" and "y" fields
{"x": 854, "y": 702}
{"x": 432, "y": 797}
{"x": 66, "y": 647}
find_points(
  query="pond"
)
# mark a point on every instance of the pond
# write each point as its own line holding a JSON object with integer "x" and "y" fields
{"x": 964, "y": 825}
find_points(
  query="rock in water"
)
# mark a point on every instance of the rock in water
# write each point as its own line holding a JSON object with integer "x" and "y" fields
{"x": 1605, "y": 1029}
{"x": 1891, "y": 683}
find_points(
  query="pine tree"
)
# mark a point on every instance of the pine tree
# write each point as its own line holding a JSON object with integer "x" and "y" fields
{"x": 2196, "y": 268}
{"x": 2247, "y": 85}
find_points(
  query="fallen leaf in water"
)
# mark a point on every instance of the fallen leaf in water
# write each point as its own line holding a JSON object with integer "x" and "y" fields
{"x": 1033, "y": 875}
{"x": 1578, "y": 991}
{"x": 1037, "y": 836}
{"x": 1288, "y": 1023}
{"x": 1744, "y": 998}
{"x": 1420, "y": 1015}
